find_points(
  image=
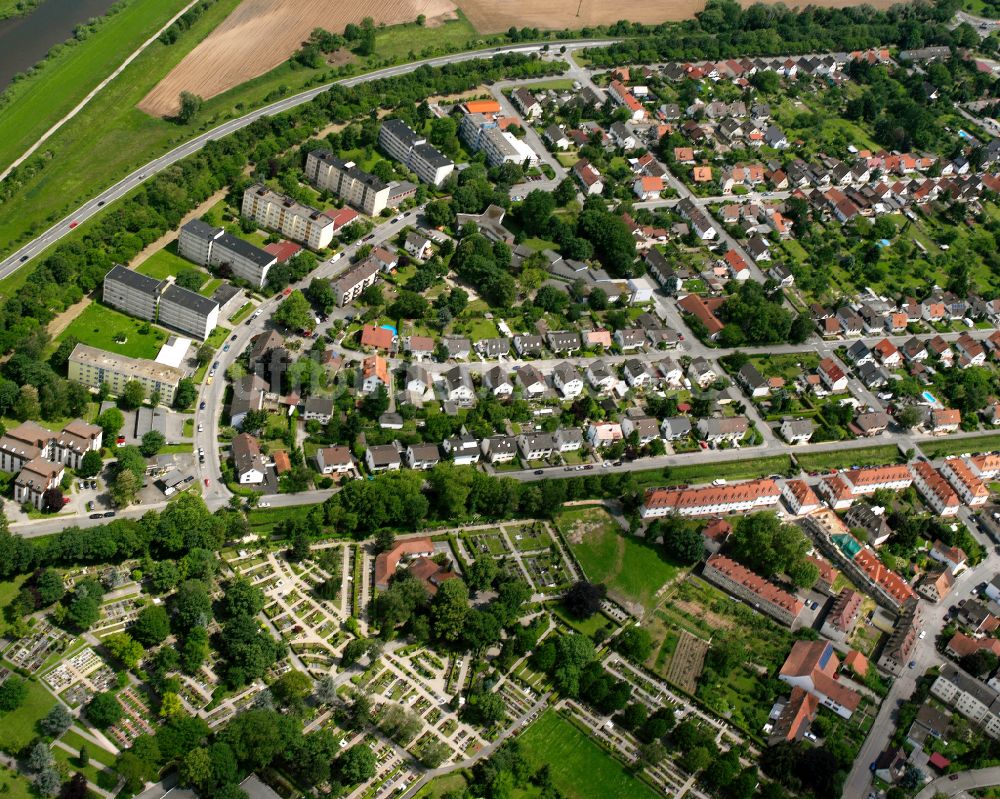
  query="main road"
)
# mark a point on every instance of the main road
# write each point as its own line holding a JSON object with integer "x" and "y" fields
{"x": 125, "y": 185}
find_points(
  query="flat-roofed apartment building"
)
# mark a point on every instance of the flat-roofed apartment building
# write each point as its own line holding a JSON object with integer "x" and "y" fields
{"x": 132, "y": 293}
{"x": 91, "y": 367}
{"x": 213, "y": 247}
{"x": 290, "y": 218}
{"x": 160, "y": 301}
{"x": 363, "y": 190}
{"x": 188, "y": 311}
{"x": 400, "y": 142}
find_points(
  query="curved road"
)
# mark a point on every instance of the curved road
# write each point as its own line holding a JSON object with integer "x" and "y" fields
{"x": 126, "y": 184}
{"x": 954, "y": 784}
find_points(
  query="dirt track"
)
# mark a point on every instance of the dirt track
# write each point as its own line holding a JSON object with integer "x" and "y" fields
{"x": 261, "y": 34}
{"x": 492, "y": 16}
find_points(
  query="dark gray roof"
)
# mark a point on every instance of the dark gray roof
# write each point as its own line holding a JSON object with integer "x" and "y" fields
{"x": 132, "y": 279}
{"x": 189, "y": 299}
{"x": 349, "y": 168}
{"x": 201, "y": 229}
{"x": 245, "y": 249}
{"x": 401, "y": 130}
{"x": 432, "y": 156}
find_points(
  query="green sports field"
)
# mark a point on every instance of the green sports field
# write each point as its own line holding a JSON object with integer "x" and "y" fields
{"x": 580, "y": 768}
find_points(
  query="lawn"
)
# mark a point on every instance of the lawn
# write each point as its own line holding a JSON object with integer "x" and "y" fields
{"x": 626, "y": 565}
{"x": 843, "y": 459}
{"x": 441, "y": 786}
{"x": 167, "y": 263}
{"x": 411, "y": 41}
{"x": 17, "y": 728}
{"x": 38, "y": 102}
{"x": 956, "y": 446}
{"x": 580, "y": 768}
{"x": 14, "y": 786}
{"x": 98, "y": 325}
{"x": 94, "y": 774}
{"x": 98, "y": 753}
{"x": 706, "y": 472}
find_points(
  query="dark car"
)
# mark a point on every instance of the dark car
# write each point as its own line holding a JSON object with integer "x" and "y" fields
{"x": 232, "y": 337}
{"x": 109, "y": 514}
{"x": 100, "y": 204}
{"x": 24, "y": 258}
{"x": 539, "y": 471}
{"x": 201, "y": 405}
{"x": 96, "y": 515}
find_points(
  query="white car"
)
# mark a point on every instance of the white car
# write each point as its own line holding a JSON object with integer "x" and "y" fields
{"x": 719, "y": 482}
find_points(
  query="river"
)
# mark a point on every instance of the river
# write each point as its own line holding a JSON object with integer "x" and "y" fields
{"x": 24, "y": 41}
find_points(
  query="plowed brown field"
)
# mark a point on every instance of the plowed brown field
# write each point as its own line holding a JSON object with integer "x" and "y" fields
{"x": 261, "y": 34}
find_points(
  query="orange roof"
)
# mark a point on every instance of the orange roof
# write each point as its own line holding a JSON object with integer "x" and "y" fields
{"x": 387, "y": 562}
{"x": 375, "y": 365}
{"x": 482, "y": 107}
{"x": 961, "y": 644}
{"x": 877, "y": 475}
{"x": 827, "y": 573}
{"x": 282, "y": 463}
{"x": 803, "y": 493}
{"x": 702, "y": 174}
{"x": 936, "y": 484}
{"x": 599, "y": 337}
{"x": 800, "y": 710}
{"x": 988, "y": 465}
{"x": 379, "y": 337}
{"x": 946, "y": 416}
{"x": 768, "y": 592}
{"x": 891, "y": 582}
{"x": 857, "y": 662}
{"x": 652, "y": 184}
{"x": 683, "y": 154}
{"x": 963, "y": 475}
{"x": 695, "y": 305}
{"x": 711, "y": 495}
{"x": 717, "y": 530}
{"x": 829, "y": 367}
{"x": 885, "y": 349}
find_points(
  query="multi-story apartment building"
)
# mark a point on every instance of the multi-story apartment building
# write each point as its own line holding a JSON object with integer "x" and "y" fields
{"x": 973, "y": 699}
{"x": 737, "y": 498}
{"x": 353, "y": 185}
{"x": 970, "y": 489}
{"x": 187, "y": 311}
{"x": 897, "y": 650}
{"x": 355, "y": 280}
{"x": 214, "y": 247}
{"x": 132, "y": 293}
{"x": 935, "y": 489}
{"x": 37, "y": 477}
{"x": 29, "y": 440}
{"x": 753, "y": 589}
{"x": 482, "y": 133}
{"x": 161, "y": 301}
{"x": 291, "y": 219}
{"x": 399, "y": 141}
{"x": 91, "y": 367}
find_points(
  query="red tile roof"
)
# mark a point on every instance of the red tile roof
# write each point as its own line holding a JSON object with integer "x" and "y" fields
{"x": 768, "y": 592}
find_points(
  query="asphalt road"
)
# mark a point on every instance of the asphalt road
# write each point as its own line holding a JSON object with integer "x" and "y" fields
{"x": 136, "y": 178}
{"x": 963, "y": 781}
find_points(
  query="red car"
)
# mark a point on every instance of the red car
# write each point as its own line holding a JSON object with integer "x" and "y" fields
{"x": 287, "y": 291}
{"x": 120, "y": 439}
{"x": 73, "y": 224}
{"x": 206, "y": 481}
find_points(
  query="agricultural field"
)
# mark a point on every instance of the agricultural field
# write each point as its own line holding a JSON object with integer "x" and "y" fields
{"x": 99, "y": 326}
{"x": 632, "y": 570}
{"x": 580, "y": 768}
{"x": 261, "y": 34}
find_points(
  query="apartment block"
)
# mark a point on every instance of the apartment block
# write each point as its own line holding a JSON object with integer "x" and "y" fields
{"x": 37, "y": 477}
{"x": 91, "y": 367}
{"x": 970, "y": 489}
{"x": 363, "y": 190}
{"x": 400, "y": 142}
{"x": 132, "y": 293}
{"x": 160, "y": 301}
{"x": 187, "y": 311}
{"x": 737, "y": 498}
{"x": 355, "y": 280}
{"x": 753, "y": 589}
{"x": 215, "y": 248}
{"x": 483, "y": 134}
{"x": 935, "y": 489}
{"x": 290, "y": 218}
{"x": 974, "y": 700}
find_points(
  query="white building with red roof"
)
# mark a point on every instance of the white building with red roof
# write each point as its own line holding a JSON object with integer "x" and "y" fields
{"x": 812, "y": 666}
{"x": 710, "y": 500}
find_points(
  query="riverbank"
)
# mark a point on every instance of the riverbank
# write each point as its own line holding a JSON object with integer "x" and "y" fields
{"x": 17, "y": 8}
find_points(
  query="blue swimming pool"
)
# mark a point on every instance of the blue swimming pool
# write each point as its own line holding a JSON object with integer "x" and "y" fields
{"x": 391, "y": 329}
{"x": 932, "y": 400}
